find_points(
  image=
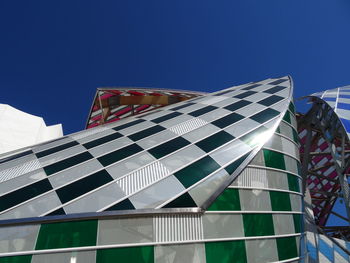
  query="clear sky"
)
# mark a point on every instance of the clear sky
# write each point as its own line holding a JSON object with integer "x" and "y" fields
{"x": 54, "y": 54}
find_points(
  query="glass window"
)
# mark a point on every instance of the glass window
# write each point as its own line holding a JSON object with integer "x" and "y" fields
{"x": 196, "y": 171}
{"x": 119, "y": 154}
{"x": 66, "y": 163}
{"x": 67, "y": 234}
{"x": 168, "y": 147}
{"x": 83, "y": 186}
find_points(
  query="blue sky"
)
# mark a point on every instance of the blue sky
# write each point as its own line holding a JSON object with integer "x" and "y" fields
{"x": 53, "y": 55}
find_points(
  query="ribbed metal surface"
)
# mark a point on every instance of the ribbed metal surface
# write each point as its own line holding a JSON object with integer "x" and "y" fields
{"x": 143, "y": 177}
{"x": 19, "y": 170}
{"x": 187, "y": 126}
{"x": 88, "y": 132}
{"x": 178, "y": 228}
{"x": 252, "y": 177}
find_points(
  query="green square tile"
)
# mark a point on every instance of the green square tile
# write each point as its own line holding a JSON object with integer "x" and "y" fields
{"x": 123, "y": 205}
{"x": 264, "y": 115}
{"x": 67, "y": 234}
{"x": 295, "y": 136}
{"x": 274, "y": 159}
{"x": 16, "y": 259}
{"x": 286, "y": 117}
{"x": 258, "y": 225}
{"x": 66, "y": 163}
{"x": 168, "y": 147}
{"x": 287, "y": 248}
{"x": 102, "y": 140}
{"x": 298, "y": 223}
{"x": 234, "y": 165}
{"x": 291, "y": 107}
{"x": 280, "y": 201}
{"x": 225, "y": 252}
{"x": 119, "y": 154}
{"x": 196, "y": 171}
{"x": 293, "y": 183}
{"x": 184, "y": 200}
{"x": 127, "y": 254}
{"x": 214, "y": 141}
{"x": 228, "y": 200}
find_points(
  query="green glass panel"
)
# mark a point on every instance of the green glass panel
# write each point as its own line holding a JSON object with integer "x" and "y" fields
{"x": 66, "y": 163}
{"x": 24, "y": 194}
{"x": 182, "y": 106}
{"x": 258, "y": 225}
{"x": 274, "y": 159}
{"x": 264, "y": 115}
{"x": 270, "y": 100}
{"x": 56, "y": 149}
{"x": 251, "y": 138}
{"x": 225, "y": 252}
{"x": 168, "y": 147}
{"x": 57, "y": 212}
{"x": 102, "y": 140}
{"x": 278, "y": 130}
{"x": 145, "y": 133}
{"x": 202, "y": 111}
{"x": 185, "y": 200}
{"x": 123, "y": 205}
{"x": 293, "y": 183}
{"x": 127, "y": 125}
{"x": 298, "y": 223}
{"x": 228, "y": 120}
{"x": 234, "y": 165}
{"x": 274, "y": 89}
{"x": 16, "y": 259}
{"x": 237, "y": 105}
{"x": 287, "y": 248}
{"x": 278, "y": 81}
{"x": 245, "y": 94}
{"x": 228, "y": 200}
{"x": 119, "y": 154}
{"x": 292, "y": 108}
{"x": 251, "y": 87}
{"x": 82, "y": 186}
{"x": 223, "y": 92}
{"x": 196, "y": 171}
{"x": 299, "y": 168}
{"x": 67, "y": 234}
{"x": 295, "y": 136}
{"x": 143, "y": 254}
{"x": 214, "y": 141}
{"x": 167, "y": 117}
{"x": 280, "y": 201}
{"x": 286, "y": 117}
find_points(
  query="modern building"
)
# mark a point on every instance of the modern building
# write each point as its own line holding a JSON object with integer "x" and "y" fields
{"x": 19, "y": 129}
{"x": 180, "y": 176}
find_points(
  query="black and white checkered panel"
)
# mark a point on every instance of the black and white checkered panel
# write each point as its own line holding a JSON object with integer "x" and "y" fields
{"x": 179, "y": 156}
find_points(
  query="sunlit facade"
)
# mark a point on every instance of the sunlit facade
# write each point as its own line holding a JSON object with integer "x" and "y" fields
{"x": 165, "y": 176}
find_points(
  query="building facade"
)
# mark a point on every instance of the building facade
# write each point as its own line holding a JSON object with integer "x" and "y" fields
{"x": 204, "y": 178}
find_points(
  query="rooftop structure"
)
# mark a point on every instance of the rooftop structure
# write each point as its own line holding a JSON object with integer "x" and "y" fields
{"x": 19, "y": 129}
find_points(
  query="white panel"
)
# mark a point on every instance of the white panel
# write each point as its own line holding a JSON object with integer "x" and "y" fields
{"x": 194, "y": 253}
{"x": 18, "y": 238}
{"x": 124, "y": 231}
{"x": 223, "y": 226}
{"x": 68, "y": 257}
